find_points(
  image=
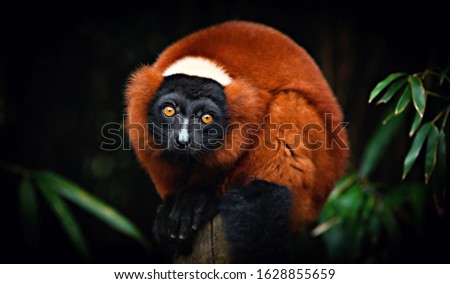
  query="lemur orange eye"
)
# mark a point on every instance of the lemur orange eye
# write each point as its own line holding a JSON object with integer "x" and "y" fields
{"x": 169, "y": 111}
{"x": 207, "y": 118}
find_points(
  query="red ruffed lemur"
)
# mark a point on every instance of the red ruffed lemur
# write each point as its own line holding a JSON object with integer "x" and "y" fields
{"x": 237, "y": 119}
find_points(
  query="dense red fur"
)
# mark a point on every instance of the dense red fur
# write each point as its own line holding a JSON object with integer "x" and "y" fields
{"x": 271, "y": 75}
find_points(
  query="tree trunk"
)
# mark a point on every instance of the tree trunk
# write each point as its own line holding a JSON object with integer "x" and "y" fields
{"x": 210, "y": 245}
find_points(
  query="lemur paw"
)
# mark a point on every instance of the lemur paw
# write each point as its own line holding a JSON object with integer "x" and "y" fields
{"x": 179, "y": 216}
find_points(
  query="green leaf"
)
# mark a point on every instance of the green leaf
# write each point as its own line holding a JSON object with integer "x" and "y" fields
{"x": 415, "y": 148}
{"x": 92, "y": 204}
{"x": 368, "y": 208}
{"x": 387, "y": 118}
{"x": 383, "y": 84}
{"x": 403, "y": 101}
{"x": 408, "y": 199}
{"x": 342, "y": 185}
{"x": 350, "y": 202}
{"x": 29, "y": 212}
{"x": 440, "y": 176}
{"x": 396, "y": 86}
{"x": 430, "y": 158}
{"x": 442, "y": 150}
{"x": 395, "y": 197}
{"x": 378, "y": 144}
{"x": 65, "y": 217}
{"x": 418, "y": 94}
{"x": 415, "y": 125}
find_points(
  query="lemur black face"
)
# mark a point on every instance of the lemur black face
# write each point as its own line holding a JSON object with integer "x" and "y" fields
{"x": 189, "y": 115}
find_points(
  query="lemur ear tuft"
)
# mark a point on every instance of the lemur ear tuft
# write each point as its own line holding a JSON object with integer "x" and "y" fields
{"x": 142, "y": 85}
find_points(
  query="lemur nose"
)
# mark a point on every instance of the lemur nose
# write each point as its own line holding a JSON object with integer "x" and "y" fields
{"x": 183, "y": 137}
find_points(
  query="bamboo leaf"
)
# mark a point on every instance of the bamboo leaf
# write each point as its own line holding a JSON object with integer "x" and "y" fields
{"x": 403, "y": 101}
{"x": 377, "y": 145}
{"x": 349, "y": 203}
{"x": 406, "y": 195}
{"x": 442, "y": 151}
{"x": 439, "y": 180}
{"x": 415, "y": 148}
{"x": 418, "y": 94}
{"x": 383, "y": 84}
{"x": 430, "y": 158}
{"x": 394, "y": 88}
{"x": 62, "y": 211}
{"x": 387, "y": 118}
{"x": 415, "y": 125}
{"x": 29, "y": 212}
{"x": 342, "y": 185}
{"x": 93, "y": 205}
{"x": 395, "y": 198}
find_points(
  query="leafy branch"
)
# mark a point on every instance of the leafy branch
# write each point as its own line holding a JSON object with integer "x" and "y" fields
{"x": 368, "y": 212}
{"x": 56, "y": 190}
{"x": 365, "y": 211}
{"x": 411, "y": 88}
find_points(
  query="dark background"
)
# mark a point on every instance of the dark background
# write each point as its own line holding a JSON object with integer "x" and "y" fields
{"x": 63, "y": 68}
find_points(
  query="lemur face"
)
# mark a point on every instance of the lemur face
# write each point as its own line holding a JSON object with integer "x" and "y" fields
{"x": 188, "y": 116}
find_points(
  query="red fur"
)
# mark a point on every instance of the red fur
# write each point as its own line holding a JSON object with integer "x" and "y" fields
{"x": 271, "y": 75}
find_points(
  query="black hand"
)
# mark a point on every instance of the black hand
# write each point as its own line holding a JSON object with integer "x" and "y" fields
{"x": 179, "y": 216}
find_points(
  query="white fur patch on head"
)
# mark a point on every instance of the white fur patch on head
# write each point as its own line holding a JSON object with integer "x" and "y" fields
{"x": 198, "y": 66}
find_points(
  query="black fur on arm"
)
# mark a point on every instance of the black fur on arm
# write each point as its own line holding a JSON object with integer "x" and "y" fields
{"x": 257, "y": 222}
